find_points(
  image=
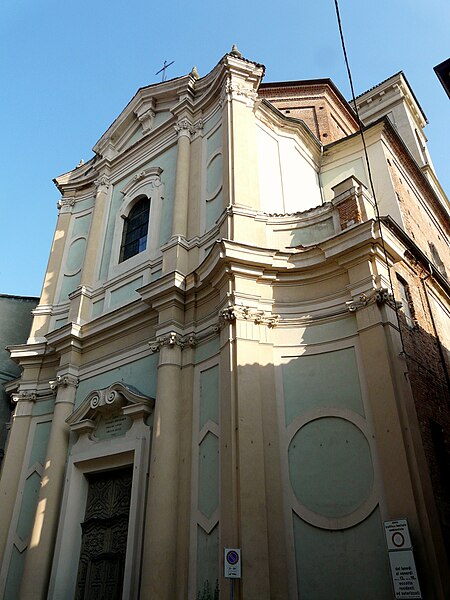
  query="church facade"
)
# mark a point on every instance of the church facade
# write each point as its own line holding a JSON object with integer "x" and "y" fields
{"x": 237, "y": 346}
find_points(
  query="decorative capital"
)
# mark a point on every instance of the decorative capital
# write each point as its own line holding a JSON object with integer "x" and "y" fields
{"x": 24, "y": 396}
{"x": 184, "y": 127}
{"x": 64, "y": 381}
{"x": 65, "y": 204}
{"x": 379, "y": 296}
{"x": 102, "y": 183}
{"x": 246, "y": 313}
{"x": 173, "y": 339}
{"x": 238, "y": 91}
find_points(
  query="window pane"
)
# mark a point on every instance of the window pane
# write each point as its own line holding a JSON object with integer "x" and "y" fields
{"x": 134, "y": 238}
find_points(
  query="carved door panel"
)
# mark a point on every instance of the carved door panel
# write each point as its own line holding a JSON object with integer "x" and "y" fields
{"x": 104, "y": 536}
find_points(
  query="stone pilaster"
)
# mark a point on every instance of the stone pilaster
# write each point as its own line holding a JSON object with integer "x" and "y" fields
{"x": 175, "y": 257}
{"x": 159, "y": 575}
{"x": 80, "y": 309}
{"x": 13, "y": 461}
{"x": 42, "y": 313}
{"x": 39, "y": 555}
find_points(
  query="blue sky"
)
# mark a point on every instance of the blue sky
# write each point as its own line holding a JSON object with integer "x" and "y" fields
{"x": 68, "y": 68}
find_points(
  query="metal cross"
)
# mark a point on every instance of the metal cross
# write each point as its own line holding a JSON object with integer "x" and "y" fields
{"x": 163, "y": 70}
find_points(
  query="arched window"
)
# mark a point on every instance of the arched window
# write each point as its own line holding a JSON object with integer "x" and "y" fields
{"x": 134, "y": 237}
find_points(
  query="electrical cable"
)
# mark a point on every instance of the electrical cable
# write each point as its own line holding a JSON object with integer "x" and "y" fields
{"x": 369, "y": 171}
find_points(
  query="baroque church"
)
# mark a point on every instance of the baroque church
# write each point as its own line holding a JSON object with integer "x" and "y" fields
{"x": 242, "y": 343}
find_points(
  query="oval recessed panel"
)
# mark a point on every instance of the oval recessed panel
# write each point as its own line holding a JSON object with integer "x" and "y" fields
{"x": 330, "y": 467}
{"x": 76, "y": 255}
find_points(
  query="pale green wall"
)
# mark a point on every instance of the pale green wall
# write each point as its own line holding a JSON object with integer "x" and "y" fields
{"x": 167, "y": 161}
{"x": 330, "y": 467}
{"x": 141, "y": 374}
{"x": 27, "y": 509}
{"x": 207, "y": 559}
{"x": 209, "y": 397}
{"x": 71, "y": 268}
{"x": 322, "y": 380}
{"x": 313, "y": 233}
{"x": 126, "y": 293}
{"x": 69, "y": 284}
{"x": 206, "y": 350}
{"x": 208, "y": 476}
{"x": 214, "y": 209}
{"x": 214, "y": 178}
{"x": 349, "y": 564}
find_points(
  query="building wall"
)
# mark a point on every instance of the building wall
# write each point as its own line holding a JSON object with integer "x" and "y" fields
{"x": 247, "y": 364}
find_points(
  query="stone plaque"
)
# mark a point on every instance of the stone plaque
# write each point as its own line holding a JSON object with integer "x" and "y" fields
{"x": 113, "y": 426}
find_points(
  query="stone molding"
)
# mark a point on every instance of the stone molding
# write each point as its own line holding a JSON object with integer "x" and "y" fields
{"x": 379, "y": 296}
{"x": 151, "y": 175}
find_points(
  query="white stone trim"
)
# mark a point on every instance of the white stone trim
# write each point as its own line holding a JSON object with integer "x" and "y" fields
{"x": 90, "y": 455}
{"x": 145, "y": 183}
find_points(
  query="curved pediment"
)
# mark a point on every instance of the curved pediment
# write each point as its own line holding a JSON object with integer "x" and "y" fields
{"x": 117, "y": 399}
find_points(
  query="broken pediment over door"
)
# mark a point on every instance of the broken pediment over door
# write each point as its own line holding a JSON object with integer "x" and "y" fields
{"x": 110, "y": 412}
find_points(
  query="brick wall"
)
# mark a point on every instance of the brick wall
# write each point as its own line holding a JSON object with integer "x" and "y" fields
{"x": 429, "y": 385}
{"x": 315, "y": 104}
{"x": 422, "y": 221}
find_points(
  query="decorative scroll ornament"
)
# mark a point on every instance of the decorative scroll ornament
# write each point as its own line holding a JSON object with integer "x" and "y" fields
{"x": 379, "y": 296}
{"x": 102, "y": 183}
{"x": 146, "y": 120}
{"x": 65, "y": 204}
{"x": 64, "y": 381}
{"x": 246, "y": 313}
{"x": 118, "y": 398}
{"x": 173, "y": 339}
{"x": 185, "y": 127}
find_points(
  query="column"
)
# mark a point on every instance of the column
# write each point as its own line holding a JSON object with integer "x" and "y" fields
{"x": 13, "y": 462}
{"x": 184, "y": 129}
{"x": 175, "y": 252}
{"x": 39, "y": 554}
{"x": 159, "y": 575}
{"x": 80, "y": 308}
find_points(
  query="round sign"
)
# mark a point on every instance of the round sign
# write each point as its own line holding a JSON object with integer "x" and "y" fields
{"x": 232, "y": 557}
{"x": 397, "y": 539}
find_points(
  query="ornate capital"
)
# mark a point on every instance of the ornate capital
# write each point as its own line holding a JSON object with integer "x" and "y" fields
{"x": 246, "y": 313}
{"x": 184, "y": 127}
{"x": 239, "y": 92}
{"x": 24, "y": 396}
{"x": 173, "y": 339}
{"x": 64, "y": 381}
{"x": 379, "y": 296}
{"x": 65, "y": 204}
{"x": 102, "y": 183}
